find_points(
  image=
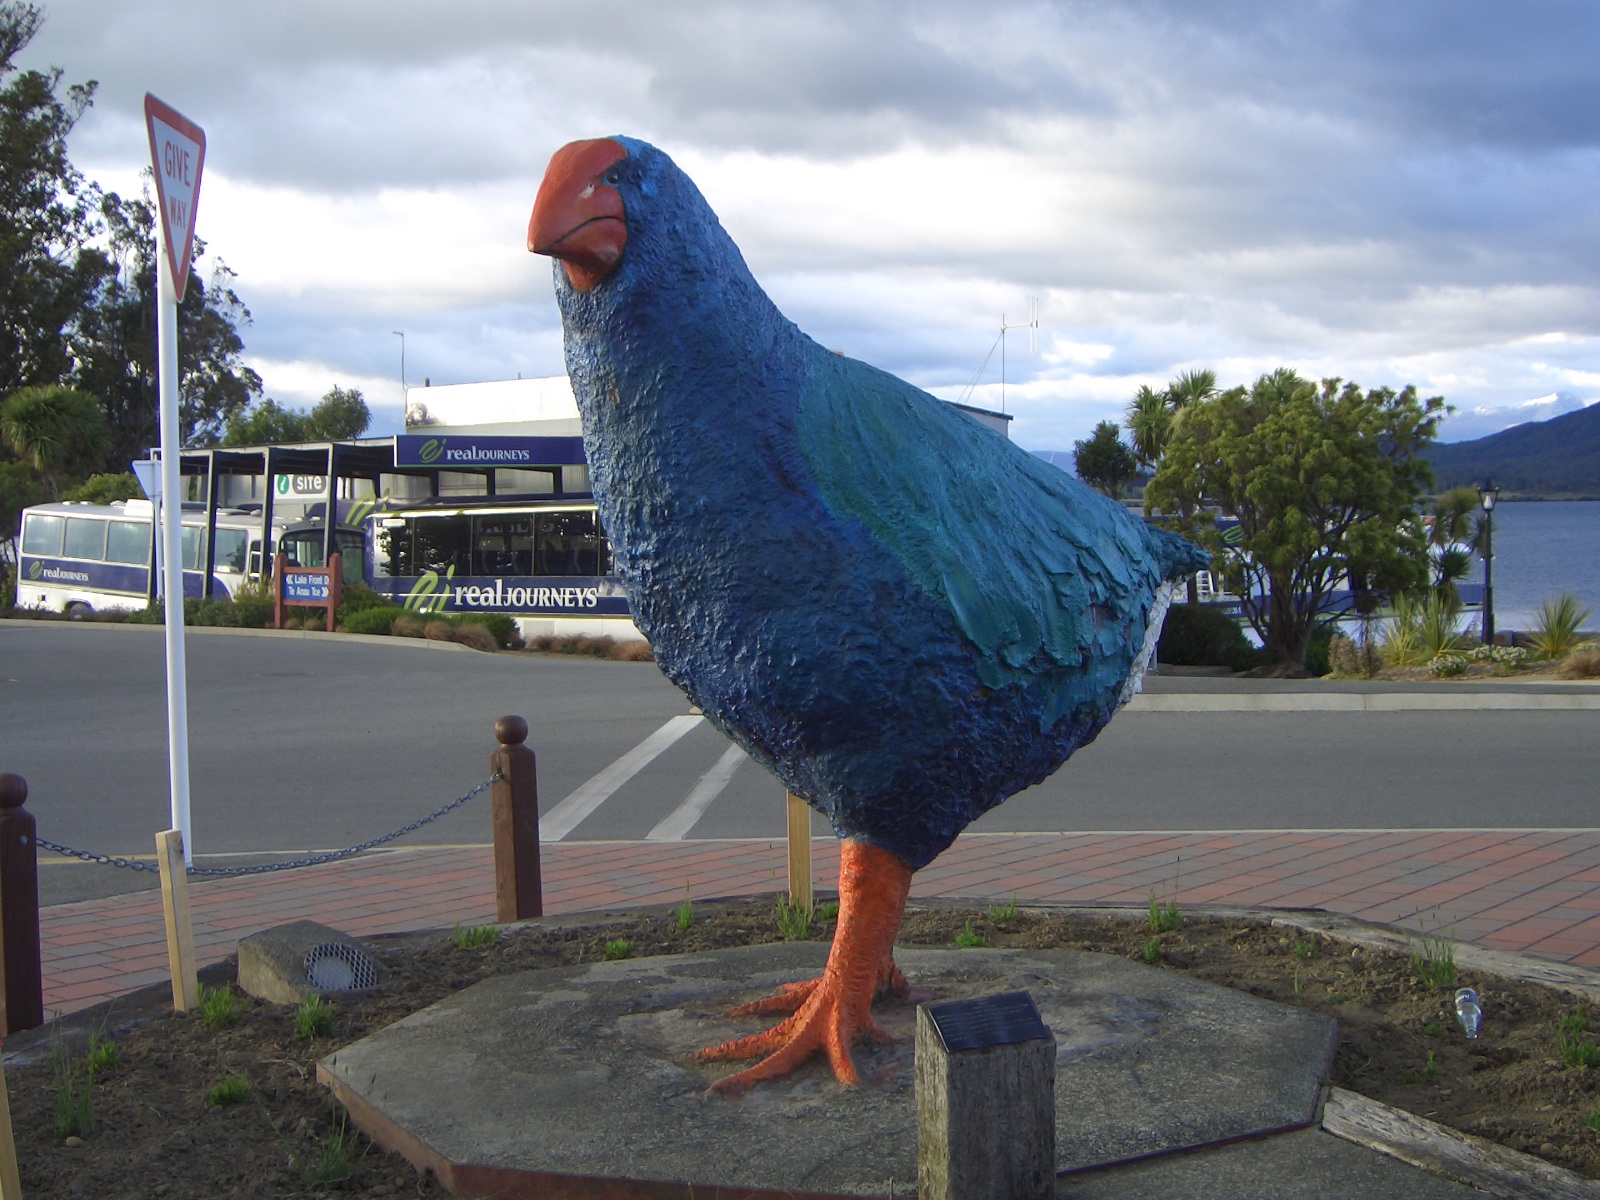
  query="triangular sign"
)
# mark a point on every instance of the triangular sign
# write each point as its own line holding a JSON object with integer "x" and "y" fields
{"x": 177, "y": 152}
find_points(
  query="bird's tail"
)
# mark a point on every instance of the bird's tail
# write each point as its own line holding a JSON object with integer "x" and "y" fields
{"x": 1178, "y": 556}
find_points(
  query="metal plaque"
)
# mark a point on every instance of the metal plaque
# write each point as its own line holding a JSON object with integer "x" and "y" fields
{"x": 983, "y": 1021}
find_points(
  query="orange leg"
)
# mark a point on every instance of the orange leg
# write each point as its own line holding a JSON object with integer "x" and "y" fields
{"x": 835, "y": 1011}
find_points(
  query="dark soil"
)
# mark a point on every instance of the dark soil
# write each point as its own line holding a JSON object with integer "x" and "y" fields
{"x": 157, "y": 1133}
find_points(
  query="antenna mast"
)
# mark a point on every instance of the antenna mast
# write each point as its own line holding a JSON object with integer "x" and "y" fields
{"x": 1032, "y": 326}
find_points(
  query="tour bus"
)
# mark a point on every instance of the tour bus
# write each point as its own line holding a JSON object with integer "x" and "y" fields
{"x": 81, "y": 558}
{"x": 545, "y": 561}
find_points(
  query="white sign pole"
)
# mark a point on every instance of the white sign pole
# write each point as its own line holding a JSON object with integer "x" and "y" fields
{"x": 177, "y": 152}
{"x": 172, "y": 551}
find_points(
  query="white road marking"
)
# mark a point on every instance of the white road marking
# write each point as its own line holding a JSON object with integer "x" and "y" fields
{"x": 675, "y": 826}
{"x": 566, "y": 816}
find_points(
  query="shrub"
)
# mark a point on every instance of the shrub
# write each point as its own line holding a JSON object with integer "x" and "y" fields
{"x": 1317, "y": 651}
{"x": 406, "y": 625}
{"x": 439, "y": 630}
{"x": 358, "y": 597}
{"x": 473, "y": 635}
{"x": 377, "y": 620}
{"x": 1197, "y": 636}
{"x": 1448, "y": 665}
{"x": 1581, "y": 664}
{"x": 1557, "y": 625}
{"x": 502, "y": 627}
{"x": 253, "y": 604}
{"x": 1420, "y": 631}
{"x": 1346, "y": 656}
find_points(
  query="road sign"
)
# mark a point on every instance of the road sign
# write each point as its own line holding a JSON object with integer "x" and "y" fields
{"x": 177, "y": 152}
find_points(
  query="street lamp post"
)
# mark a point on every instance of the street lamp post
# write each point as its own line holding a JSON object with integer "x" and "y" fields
{"x": 1487, "y": 494}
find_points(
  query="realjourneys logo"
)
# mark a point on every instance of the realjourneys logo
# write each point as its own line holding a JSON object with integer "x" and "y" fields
{"x": 501, "y": 596}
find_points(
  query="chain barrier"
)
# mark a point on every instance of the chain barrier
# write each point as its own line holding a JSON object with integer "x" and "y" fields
{"x": 290, "y": 865}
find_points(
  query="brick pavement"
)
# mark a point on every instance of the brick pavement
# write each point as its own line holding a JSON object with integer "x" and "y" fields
{"x": 1536, "y": 891}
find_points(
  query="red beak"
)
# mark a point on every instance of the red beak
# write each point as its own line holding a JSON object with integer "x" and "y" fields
{"x": 577, "y": 216}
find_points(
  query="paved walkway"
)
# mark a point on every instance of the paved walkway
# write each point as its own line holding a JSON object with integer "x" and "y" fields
{"x": 1536, "y": 891}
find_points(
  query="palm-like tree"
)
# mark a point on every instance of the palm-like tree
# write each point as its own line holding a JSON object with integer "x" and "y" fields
{"x": 53, "y": 428}
{"x": 1153, "y": 415}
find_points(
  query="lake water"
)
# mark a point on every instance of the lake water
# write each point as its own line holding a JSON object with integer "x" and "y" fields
{"x": 1542, "y": 549}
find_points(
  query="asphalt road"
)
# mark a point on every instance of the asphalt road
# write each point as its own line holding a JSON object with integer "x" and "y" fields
{"x": 308, "y": 743}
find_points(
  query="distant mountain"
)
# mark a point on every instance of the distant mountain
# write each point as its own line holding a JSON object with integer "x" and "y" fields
{"x": 1558, "y": 458}
{"x": 1466, "y": 424}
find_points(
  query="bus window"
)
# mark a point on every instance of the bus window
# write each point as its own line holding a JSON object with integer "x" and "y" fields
{"x": 255, "y": 558}
{"x": 42, "y": 534}
{"x": 352, "y": 555}
{"x": 128, "y": 542}
{"x": 230, "y": 550}
{"x": 504, "y": 546}
{"x": 567, "y": 544}
{"x": 193, "y": 547}
{"x": 443, "y": 543}
{"x": 86, "y": 538}
{"x": 392, "y": 553}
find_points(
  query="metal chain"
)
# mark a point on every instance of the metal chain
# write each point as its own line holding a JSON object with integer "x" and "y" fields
{"x": 292, "y": 864}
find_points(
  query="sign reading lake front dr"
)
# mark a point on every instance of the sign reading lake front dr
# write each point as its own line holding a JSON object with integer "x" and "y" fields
{"x": 305, "y": 586}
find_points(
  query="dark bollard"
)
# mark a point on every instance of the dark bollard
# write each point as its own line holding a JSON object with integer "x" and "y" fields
{"x": 518, "y": 892}
{"x": 21, "y": 977}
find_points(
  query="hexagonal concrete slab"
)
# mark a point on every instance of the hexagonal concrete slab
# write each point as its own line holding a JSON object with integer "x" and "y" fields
{"x": 581, "y": 1077}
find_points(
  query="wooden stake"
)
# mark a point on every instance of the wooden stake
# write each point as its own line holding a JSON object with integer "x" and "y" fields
{"x": 10, "y": 1180}
{"x": 180, "y": 931}
{"x": 799, "y": 852}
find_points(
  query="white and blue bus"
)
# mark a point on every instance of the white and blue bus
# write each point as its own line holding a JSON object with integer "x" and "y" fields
{"x": 543, "y": 561}
{"x": 82, "y": 558}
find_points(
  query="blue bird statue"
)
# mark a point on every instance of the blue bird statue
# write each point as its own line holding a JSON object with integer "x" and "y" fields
{"x": 898, "y": 612}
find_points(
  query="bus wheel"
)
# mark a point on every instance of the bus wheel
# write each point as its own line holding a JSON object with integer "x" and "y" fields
{"x": 79, "y": 611}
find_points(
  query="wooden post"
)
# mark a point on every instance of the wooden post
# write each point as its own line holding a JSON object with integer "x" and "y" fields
{"x": 514, "y": 801}
{"x": 180, "y": 931}
{"x": 986, "y": 1111}
{"x": 21, "y": 976}
{"x": 279, "y": 562}
{"x": 10, "y": 1180}
{"x": 335, "y": 590}
{"x": 799, "y": 852}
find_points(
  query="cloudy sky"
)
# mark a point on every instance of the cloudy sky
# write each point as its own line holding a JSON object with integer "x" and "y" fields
{"x": 1393, "y": 193}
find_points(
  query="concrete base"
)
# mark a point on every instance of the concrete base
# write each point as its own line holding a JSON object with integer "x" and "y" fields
{"x": 579, "y": 1079}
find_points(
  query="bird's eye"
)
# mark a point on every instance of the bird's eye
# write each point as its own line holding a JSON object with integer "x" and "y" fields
{"x": 614, "y": 176}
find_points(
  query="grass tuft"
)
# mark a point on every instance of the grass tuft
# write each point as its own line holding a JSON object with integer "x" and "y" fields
{"x": 794, "y": 920}
{"x": 230, "y": 1091}
{"x": 468, "y": 937}
{"x": 686, "y": 916}
{"x": 1164, "y": 917}
{"x": 219, "y": 1007}
{"x": 314, "y": 1018}
{"x": 102, "y": 1054}
{"x": 1004, "y": 914}
{"x": 1434, "y": 959}
{"x": 1152, "y": 950}
{"x": 970, "y": 939}
{"x": 74, "y": 1100}
{"x": 1573, "y": 1043}
{"x": 336, "y": 1157}
{"x": 618, "y": 948}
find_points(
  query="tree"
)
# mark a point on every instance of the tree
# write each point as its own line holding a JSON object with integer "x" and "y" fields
{"x": 48, "y": 270}
{"x": 341, "y": 413}
{"x": 1153, "y": 415}
{"x": 115, "y": 344}
{"x": 1455, "y": 532}
{"x": 1325, "y": 484}
{"x": 54, "y": 428}
{"x": 103, "y": 489}
{"x": 1103, "y": 460}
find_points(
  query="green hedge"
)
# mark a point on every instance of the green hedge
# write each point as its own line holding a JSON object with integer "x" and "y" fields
{"x": 1197, "y": 636}
{"x": 375, "y": 620}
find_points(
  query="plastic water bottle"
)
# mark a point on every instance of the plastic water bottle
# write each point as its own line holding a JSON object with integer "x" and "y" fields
{"x": 1468, "y": 1011}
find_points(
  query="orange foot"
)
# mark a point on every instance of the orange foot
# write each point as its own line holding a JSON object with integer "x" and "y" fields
{"x": 834, "y": 1012}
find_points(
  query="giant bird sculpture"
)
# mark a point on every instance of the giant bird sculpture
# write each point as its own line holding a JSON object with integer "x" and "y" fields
{"x": 898, "y": 612}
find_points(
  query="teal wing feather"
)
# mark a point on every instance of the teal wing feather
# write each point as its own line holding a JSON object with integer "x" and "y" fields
{"x": 1050, "y": 581}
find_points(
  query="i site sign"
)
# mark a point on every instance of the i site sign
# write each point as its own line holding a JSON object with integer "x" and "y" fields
{"x": 177, "y": 152}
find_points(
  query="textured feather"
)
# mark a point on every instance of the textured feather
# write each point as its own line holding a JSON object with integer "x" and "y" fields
{"x": 900, "y": 613}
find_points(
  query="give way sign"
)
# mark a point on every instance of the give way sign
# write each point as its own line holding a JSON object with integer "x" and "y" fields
{"x": 178, "y": 152}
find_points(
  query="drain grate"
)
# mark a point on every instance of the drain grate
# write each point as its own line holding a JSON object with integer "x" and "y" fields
{"x": 340, "y": 967}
